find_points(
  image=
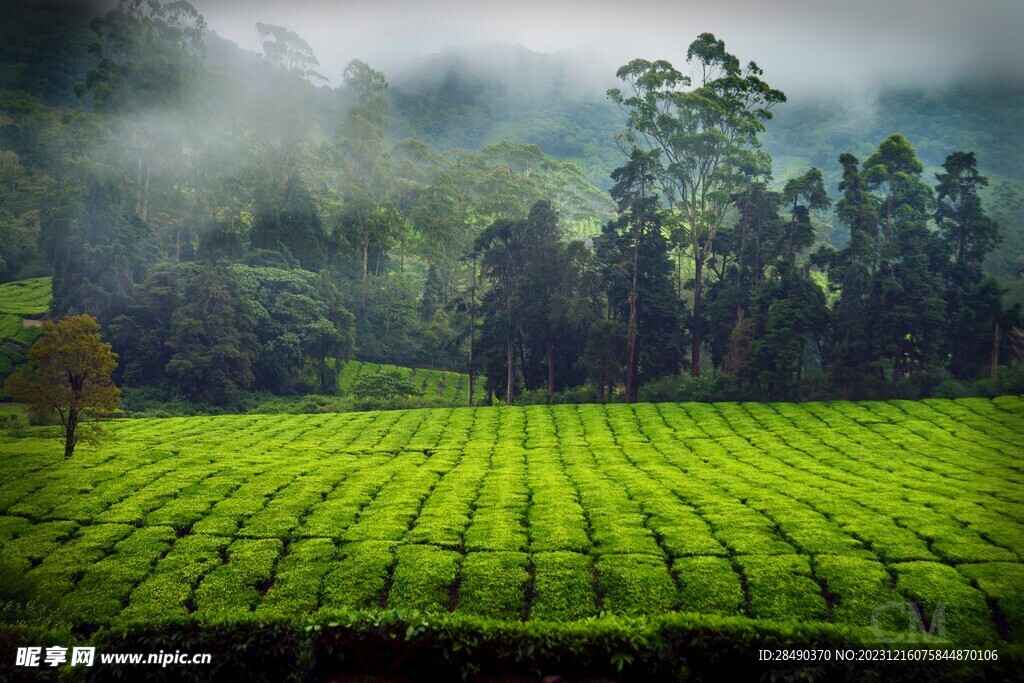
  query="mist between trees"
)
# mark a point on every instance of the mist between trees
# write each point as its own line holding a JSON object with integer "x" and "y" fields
{"x": 235, "y": 225}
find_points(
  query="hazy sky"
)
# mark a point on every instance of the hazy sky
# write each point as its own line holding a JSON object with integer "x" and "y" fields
{"x": 801, "y": 44}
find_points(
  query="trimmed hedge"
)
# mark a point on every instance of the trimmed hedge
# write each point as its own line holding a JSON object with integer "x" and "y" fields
{"x": 451, "y": 647}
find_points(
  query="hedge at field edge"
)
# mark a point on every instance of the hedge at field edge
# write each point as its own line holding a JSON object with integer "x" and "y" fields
{"x": 675, "y": 647}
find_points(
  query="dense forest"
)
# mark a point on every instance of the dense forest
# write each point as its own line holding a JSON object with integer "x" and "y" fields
{"x": 235, "y": 224}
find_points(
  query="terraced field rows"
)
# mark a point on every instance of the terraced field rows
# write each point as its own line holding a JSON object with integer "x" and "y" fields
{"x": 27, "y": 298}
{"x": 449, "y": 386}
{"x": 812, "y": 512}
{"x": 24, "y": 298}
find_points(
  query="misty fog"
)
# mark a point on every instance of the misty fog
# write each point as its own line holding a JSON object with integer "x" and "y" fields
{"x": 803, "y": 45}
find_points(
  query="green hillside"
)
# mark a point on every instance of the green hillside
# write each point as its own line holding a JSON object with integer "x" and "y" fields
{"x": 441, "y": 384}
{"x": 811, "y": 513}
{"x": 28, "y": 298}
{"x": 18, "y": 300}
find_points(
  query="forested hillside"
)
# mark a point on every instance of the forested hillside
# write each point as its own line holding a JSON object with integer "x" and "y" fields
{"x": 237, "y": 224}
{"x": 492, "y": 363}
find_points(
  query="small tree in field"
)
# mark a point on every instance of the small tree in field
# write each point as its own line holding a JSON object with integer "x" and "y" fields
{"x": 69, "y": 374}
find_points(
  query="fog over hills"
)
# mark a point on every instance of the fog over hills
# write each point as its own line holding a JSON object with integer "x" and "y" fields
{"x": 819, "y": 46}
{"x": 467, "y": 97}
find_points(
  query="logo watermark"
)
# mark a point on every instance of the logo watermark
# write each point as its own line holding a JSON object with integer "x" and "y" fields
{"x": 86, "y": 656}
{"x": 917, "y": 630}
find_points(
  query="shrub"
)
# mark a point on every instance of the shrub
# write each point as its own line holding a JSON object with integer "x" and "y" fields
{"x": 710, "y": 386}
{"x": 385, "y": 384}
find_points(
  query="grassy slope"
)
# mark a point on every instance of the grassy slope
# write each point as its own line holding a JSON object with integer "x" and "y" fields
{"x": 24, "y": 298}
{"x": 813, "y": 512}
{"x": 441, "y": 384}
{"x": 28, "y": 298}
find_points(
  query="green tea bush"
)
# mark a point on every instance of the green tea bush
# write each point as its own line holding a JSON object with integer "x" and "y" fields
{"x": 805, "y": 514}
{"x": 30, "y": 298}
{"x": 385, "y": 384}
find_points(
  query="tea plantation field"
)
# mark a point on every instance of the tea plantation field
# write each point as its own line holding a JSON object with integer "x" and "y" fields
{"x": 28, "y": 298}
{"x": 450, "y": 387}
{"x": 21, "y": 299}
{"x": 793, "y": 513}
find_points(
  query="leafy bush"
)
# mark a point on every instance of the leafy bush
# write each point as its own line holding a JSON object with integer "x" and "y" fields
{"x": 709, "y": 386}
{"x": 26, "y": 297}
{"x": 799, "y": 512}
{"x": 25, "y": 602}
{"x": 341, "y": 644}
{"x": 386, "y": 384}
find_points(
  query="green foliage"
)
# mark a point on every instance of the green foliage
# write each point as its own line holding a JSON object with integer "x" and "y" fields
{"x": 492, "y": 585}
{"x": 69, "y": 375}
{"x": 781, "y": 587}
{"x": 800, "y": 514}
{"x": 383, "y": 385}
{"x": 233, "y": 587}
{"x": 708, "y": 585}
{"x": 211, "y": 338}
{"x": 929, "y": 585}
{"x": 635, "y": 270}
{"x": 16, "y": 339}
{"x": 26, "y": 298}
{"x": 360, "y": 577}
{"x": 703, "y": 142}
{"x": 300, "y": 323}
{"x": 423, "y": 578}
{"x": 534, "y": 282}
{"x": 147, "y": 55}
{"x": 563, "y": 587}
{"x": 775, "y": 519}
{"x": 635, "y": 584}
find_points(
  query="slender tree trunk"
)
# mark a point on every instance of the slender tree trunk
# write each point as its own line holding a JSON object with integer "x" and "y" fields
{"x": 69, "y": 432}
{"x": 364, "y": 233}
{"x": 472, "y": 332}
{"x": 800, "y": 376}
{"x": 145, "y": 194}
{"x": 551, "y": 370}
{"x": 695, "y": 346}
{"x": 634, "y": 323}
{"x": 511, "y": 378}
{"x": 138, "y": 186}
{"x": 994, "y": 371}
{"x": 792, "y": 229}
{"x": 679, "y": 271}
{"x": 366, "y": 270}
{"x": 527, "y": 384}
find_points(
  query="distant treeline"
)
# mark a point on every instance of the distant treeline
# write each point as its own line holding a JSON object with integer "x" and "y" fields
{"x": 234, "y": 225}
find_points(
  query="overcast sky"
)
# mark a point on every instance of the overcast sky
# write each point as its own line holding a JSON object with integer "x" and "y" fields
{"x": 801, "y": 44}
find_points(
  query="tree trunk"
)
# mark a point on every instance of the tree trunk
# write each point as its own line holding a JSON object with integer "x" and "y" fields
{"x": 551, "y": 371}
{"x": 695, "y": 346}
{"x": 994, "y": 371}
{"x": 472, "y": 332}
{"x": 69, "y": 433}
{"x": 138, "y": 186}
{"x": 800, "y": 376}
{"x": 364, "y": 234}
{"x": 792, "y": 229}
{"x": 511, "y": 378}
{"x": 145, "y": 194}
{"x": 634, "y": 323}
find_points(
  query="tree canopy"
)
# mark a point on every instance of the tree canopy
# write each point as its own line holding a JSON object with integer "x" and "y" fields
{"x": 70, "y": 375}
